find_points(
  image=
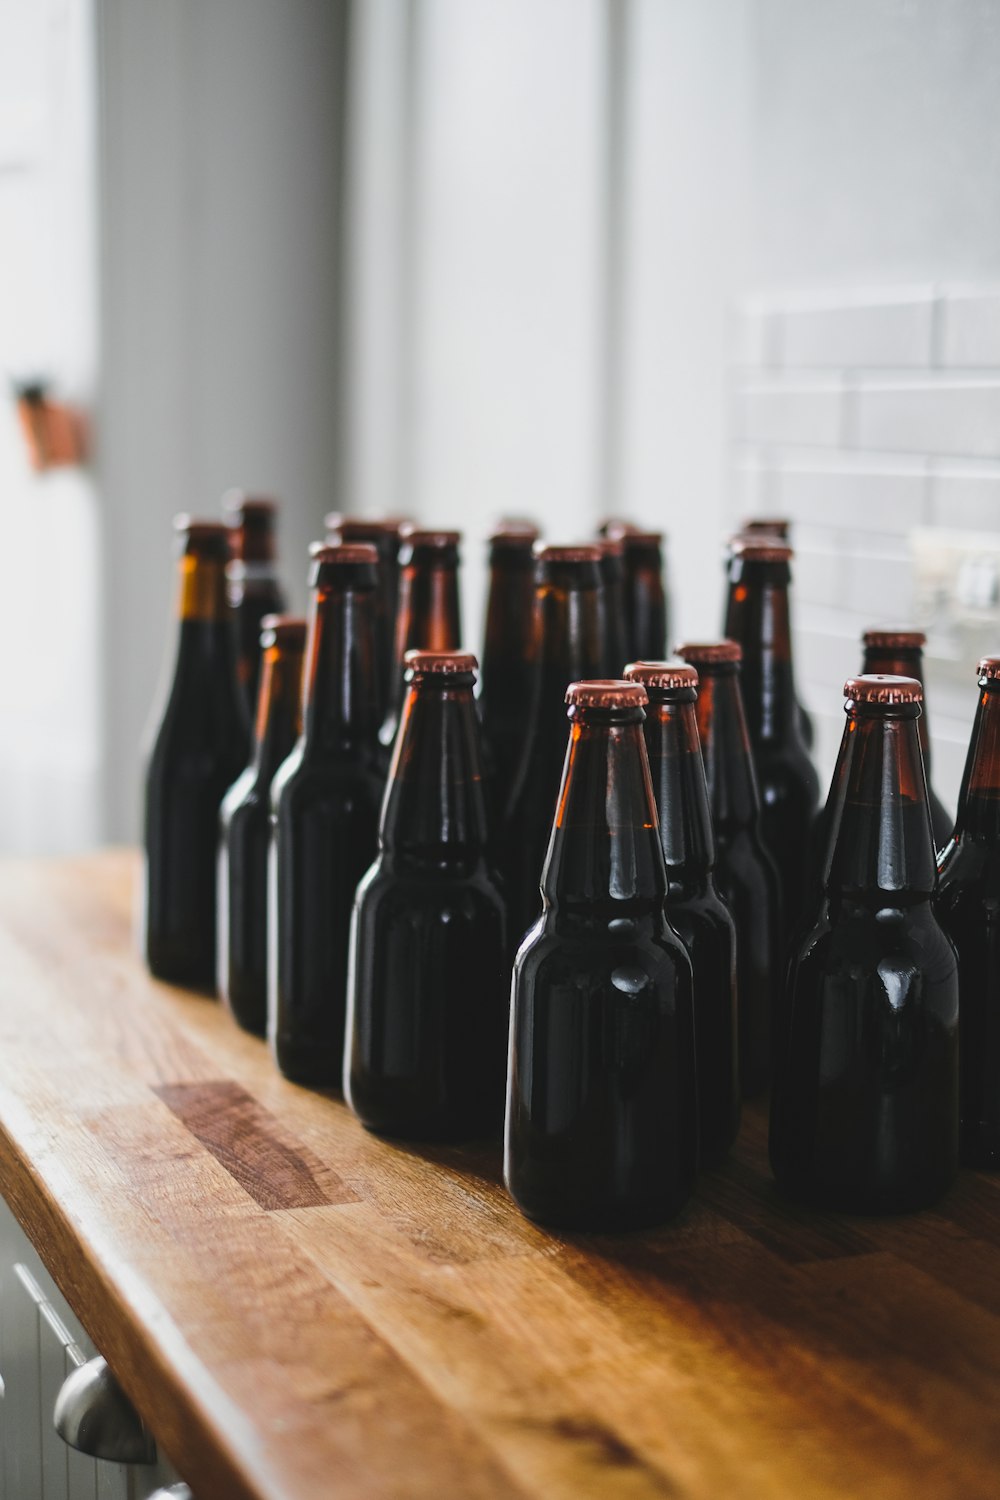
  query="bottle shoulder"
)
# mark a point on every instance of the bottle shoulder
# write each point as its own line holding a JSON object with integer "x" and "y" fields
{"x": 395, "y": 882}
{"x": 852, "y": 936}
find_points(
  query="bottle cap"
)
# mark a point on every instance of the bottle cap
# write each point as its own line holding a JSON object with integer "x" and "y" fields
{"x": 755, "y": 526}
{"x": 761, "y": 548}
{"x": 633, "y": 538}
{"x": 514, "y": 535}
{"x": 283, "y": 630}
{"x": 611, "y": 546}
{"x": 989, "y": 667}
{"x": 243, "y": 507}
{"x": 358, "y": 528}
{"x": 606, "y": 693}
{"x": 342, "y": 553}
{"x": 417, "y": 536}
{"x": 440, "y": 663}
{"x": 549, "y": 552}
{"x": 900, "y": 640}
{"x": 876, "y": 687}
{"x": 662, "y": 674}
{"x": 615, "y": 526}
{"x": 707, "y": 653}
{"x": 210, "y": 537}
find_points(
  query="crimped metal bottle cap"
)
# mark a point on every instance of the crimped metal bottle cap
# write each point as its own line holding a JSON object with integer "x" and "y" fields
{"x": 333, "y": 553}
{"x": 606, "y": 692}
{"x": 894, "y": 640}
{"x": 761, "y": 548}
{"x": 580, "y": 552}
{"x": 662, "y": 674}
{"x": 708, "y": 653}
{"x": 440, "y": 663}
{"x": 989, "y": 667}
{"x": 878, "y": 687}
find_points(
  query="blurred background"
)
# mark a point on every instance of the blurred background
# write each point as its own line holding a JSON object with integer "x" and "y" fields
{"x": 683, "y": 260}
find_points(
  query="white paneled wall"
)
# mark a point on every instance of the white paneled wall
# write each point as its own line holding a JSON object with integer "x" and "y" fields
{"x": 863, "y": 417}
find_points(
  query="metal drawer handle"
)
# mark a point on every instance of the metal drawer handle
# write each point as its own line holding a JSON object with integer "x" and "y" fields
{"x": 93, "y": 1413}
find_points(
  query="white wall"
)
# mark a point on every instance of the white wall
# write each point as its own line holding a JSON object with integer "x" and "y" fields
{"x": 221, "y": 145}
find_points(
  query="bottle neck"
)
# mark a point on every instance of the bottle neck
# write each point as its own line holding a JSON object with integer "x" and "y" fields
{"x": 571, "y": 643}
{"x": 605, "y": 848}
{"x": 279, "y": 708}
{"x": 428, "y": 616}
{"x": 340, "y": 689}
{"x": 678, "y": 774}
{"x": 435, "y": 810}
{"x": 725, "y": 743}
{"x": 978, "y": 817}
{"x": 202, "y": 595}
{"x": 757, "y": 616}
{"x": 510, "y": 606}
{"x": 901, "y": 661}
{"x": 881, "y": 841}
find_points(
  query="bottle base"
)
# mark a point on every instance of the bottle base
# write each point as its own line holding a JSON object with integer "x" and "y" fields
{"x": 309, "y": 1067}
{"x": 865, "y": 1203}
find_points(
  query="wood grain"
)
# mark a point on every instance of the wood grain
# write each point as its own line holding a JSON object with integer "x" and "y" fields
{"x": 302, "y": 1310}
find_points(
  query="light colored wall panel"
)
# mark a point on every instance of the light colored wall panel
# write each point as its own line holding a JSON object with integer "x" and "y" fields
{"x": 943, "y": 415}
{"x": 891, "y": 331}
{"x": 970, "y": 327}
{"x": 793, "y": 413}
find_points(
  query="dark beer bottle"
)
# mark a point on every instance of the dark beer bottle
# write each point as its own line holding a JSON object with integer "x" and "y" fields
{"x": 428, "y": 615}
{"x": 427, "y": 1013}
{"x": 508, "y": 652}
{"x": 383, "y": 535}
{"x": 757, "y": 616}
{"x": 758, "y": 526}
{"x": 644, "y": 594}
{"x": 865, "y": 1102}
{"x": 570, "y": 646}
{"x": 254, "y": 588}
{"x": 744, "y": 871}
{"x": 900, "y": 653}
{"x": 200, "y": 747}
{"x": 694, "y": 906}
{"x": 245, "y": 826}
{"x": 602, "y": 1109}
{"x": 325, "y": 803}
{"x": 613, "y": 579}
{"x": 968, "y": 908}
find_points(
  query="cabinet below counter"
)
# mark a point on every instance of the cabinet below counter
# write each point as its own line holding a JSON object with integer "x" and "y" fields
{"x": 301, "y": 1310}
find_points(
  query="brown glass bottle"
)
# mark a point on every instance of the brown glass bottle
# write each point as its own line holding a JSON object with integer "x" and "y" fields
{"x": 776, "y": 526}
{"x": 613, "y": 603}
{"x": 757, "y": 616}
{"x": 968, "y": 908}
{"x": 428, "y": 615}
{"x": 694, "y": 906}
{"x": 383, "y": 535}
{"x": 245, "y": 826}
{"x": 325, "y": 803}
{"x": 745, "y": 874}
{"x": 900, "y": 653}
{"x": 254, "y": 588}
{"x": 201, "y": 744}
{"x": 646, "y": 612}
{"x": 864, "y": 1111}
{"x": 508, "y": 652}
{"x": 427, "y": 1017}
{"x": 602, "y": 1110}
{"x": 570, "y": 647}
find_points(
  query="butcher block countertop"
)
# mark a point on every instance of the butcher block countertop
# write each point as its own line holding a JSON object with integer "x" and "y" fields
{"x": 302, "y": 1310}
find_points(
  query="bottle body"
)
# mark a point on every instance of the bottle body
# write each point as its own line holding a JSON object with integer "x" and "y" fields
{"x": 427, "y": 1002}
{"x": 865, "y": 1103}
{"x": 245, "y": 828}
{"x": 602, "y": 1113}
{"x": 200, "y": 747}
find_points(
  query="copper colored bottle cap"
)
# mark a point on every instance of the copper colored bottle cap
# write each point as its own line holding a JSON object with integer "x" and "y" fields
{"x": 514, "y": 535}
{"x": 708, "y": 653}
{"x": 417, "y": 536}
{"x": 283, "y": 630}
{"x": 615, "y": 526}
{"x": 440, "y": 663}
{"x": 549, "y": 552}
{"x": 761, "y": 548}
{"x": 633, "y": 538}
{"x": 343, "y": 553}
{"x": 877, "y": 687}
{"x": 756, "y": 526}
{"x": 606, "y": 693}
{"x": 611, "y": 546}
{"x": 894, "y": 640}
{"x": 989, "y": 667}
{"x": 241, "y": 506}
{"x": 200, "y": 530}
{"x": 358, "y": 528}
{"x": 662, "y": 674}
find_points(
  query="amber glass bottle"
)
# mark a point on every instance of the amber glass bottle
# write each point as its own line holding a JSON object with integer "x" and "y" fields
{"x": 325, "y": 803}
{"x": 757, "y": 616}
{"x": 508, "y": 652}
{"x": 428, "y": 615}
{"x": 776, "y": 526}
{"x": 383, "y": 535}
{"x": 694, "y": 906}
{"x": 201, "y": 745}
{"x": 900, "y": 653}
{"x": 254, "y": 587}
{"x": 602, "y": 1111}
{"x": 613, "y": 602}
{"x": 570, "y": 646}
{"x": 744, "y": 871}
{"x": 865, "y": 1101}
{"x": 646, "y": 611}
{"x": 245, "y": 826}
{"x": 968, "y": 908}
{"x": 427, "y": 1017}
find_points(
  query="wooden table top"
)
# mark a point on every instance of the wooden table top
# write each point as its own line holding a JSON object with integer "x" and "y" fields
{"x": 301, "y": 1310}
